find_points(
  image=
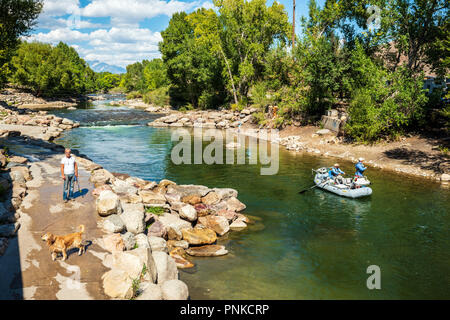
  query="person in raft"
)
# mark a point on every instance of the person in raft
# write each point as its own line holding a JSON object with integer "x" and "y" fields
{"x": 360, "y": 168}
{"x": 69, "y": 173}
{"x": 336, "y": 173}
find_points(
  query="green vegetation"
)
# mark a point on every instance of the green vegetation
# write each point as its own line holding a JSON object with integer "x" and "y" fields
{"x": 240, "y": 55}
{"x": 17, "y": 17}
{"x": 51, "y": 70}
{"x": 155, "y": 210}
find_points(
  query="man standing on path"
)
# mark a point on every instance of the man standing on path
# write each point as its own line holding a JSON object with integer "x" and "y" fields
{"x": 69, "y": 173}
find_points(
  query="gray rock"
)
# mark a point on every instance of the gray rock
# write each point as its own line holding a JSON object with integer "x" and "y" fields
{"x": 166, "y": 268}
{"x": 142, "y": 241}
{"x": 133, "y": 220}
{"x": 128, "y": 240}
{"x": 225, "y": 193}
{"x": 174, "y": 290}
{"x": 173, "y": 222}
{"x": 188, "y": 189}
{"x": 107, "y": 203}
{"x": 113, "y": 223}
{"x": 150, "y": 291}
{"x": 188, "y": 212}
{"x": 157, "y": 244}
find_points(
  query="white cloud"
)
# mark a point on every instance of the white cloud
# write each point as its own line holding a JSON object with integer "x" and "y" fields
{"x": 122, "y": 41}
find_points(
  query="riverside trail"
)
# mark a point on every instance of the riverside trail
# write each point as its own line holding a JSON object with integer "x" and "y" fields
{"x": 26, "y": 267}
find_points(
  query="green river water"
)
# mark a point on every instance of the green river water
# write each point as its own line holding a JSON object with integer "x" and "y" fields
{"x": 311, "y": 246}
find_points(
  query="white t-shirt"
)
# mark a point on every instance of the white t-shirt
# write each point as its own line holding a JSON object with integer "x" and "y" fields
{"x": 69, "y": 164}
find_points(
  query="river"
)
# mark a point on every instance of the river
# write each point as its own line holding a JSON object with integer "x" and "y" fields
{"x": 301, "y": 246}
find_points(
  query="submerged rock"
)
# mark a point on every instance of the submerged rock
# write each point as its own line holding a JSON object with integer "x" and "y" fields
{"x": 212, "y": 250}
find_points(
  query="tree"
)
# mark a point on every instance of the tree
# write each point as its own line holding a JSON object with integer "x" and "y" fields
{"x": 17, "y": 17}
{"x": 155, "y": 75}
{"x": 241, "y": 35}
{"x": 192, "y": 68}
{"x": 51, "y": 70}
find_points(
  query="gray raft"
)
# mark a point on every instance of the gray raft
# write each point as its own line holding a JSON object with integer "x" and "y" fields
{"x": 323, "y": 181}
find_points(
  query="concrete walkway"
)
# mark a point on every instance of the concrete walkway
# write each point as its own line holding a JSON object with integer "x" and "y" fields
{"x": 26, "y": 269}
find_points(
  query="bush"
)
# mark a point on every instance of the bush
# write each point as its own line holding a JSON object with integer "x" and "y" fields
{"x": 159, "y": 97}
{"x": 134, "y": 95}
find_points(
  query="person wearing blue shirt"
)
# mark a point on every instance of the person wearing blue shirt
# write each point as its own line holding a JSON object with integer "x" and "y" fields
{"x": 336, "y": 173}
{"x": 360, "y": 168}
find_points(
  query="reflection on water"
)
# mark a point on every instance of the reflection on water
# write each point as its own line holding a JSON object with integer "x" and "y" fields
{"x": 311, "y": 246}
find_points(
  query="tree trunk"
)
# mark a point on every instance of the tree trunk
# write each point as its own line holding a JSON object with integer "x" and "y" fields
{"x": 231, "y": 76}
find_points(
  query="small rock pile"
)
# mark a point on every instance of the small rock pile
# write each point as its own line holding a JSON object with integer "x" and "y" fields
{"x": 20, "y": 98}
{"x": 153, "y": 228}
{"x": 14, "y": 174}
{"x": 223, "y": 119}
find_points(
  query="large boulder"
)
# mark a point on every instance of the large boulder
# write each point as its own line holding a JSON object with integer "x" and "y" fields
{"x": 207, "y": 251}
{"x": 134, "y": 220}
{"x": 192, "y": 199}
{"x": 234, "y": 204}
{"x": 227, "y": 214}
{"x": 96, "y": 192}
{"x": 189, "y": 189}
{"x": 129, "y": 240}
{"x": 165, "y": 267}
{"x": 217, "y": 223}
{"x": 107, "y": 203}
{"x": 137, "y": 263}
{"x": 174, "y": 290}
{"x": 197, "y": 236}
{"x": 101, "y": 176}
{"x": 211, "y": 198}
{"x": 150, "y": 291}
{"x": 157, "y": 244}
{"x": 157, "y": 229}
{"x": 179, "y": 256}
{"x": 120, "y": 186}
{"x": 188, "y": 212}
{"x": 113, "y": 223}
{"x": 174, "y": 225}
{"x": 118, "y": 284}
{"x": 202, "y": 209}
{"x": 151, "y": 197}
{"x": 225, "y": 193}
{"x": 113, "y": 242}
{"x": 142, "y": 241}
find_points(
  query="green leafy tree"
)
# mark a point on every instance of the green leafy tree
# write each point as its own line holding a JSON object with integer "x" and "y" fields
{"x": 17, "y": 17}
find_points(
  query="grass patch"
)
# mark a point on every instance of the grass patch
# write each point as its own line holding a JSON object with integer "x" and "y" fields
{"x": 136, "y": 282}
{"x": 155, "y": 210}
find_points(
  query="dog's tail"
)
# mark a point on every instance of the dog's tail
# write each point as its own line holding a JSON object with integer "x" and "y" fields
{"x": 81, "y": 226}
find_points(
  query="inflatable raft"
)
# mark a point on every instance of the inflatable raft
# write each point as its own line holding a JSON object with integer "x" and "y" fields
{"x": 348, "y": 189}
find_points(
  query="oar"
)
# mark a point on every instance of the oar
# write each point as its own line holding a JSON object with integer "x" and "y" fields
{"x": 316, "y": 185}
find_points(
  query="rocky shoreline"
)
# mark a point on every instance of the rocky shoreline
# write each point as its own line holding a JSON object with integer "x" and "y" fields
{"x": 25, "y": 100}
{"x": 152, "y": 229}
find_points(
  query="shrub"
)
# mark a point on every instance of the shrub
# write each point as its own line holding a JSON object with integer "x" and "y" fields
{"x": 134, "y": 95}
{"x": 159, "y": 97}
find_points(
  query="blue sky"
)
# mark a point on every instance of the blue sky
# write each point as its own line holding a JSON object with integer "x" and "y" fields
{"x": 119, "y": 32}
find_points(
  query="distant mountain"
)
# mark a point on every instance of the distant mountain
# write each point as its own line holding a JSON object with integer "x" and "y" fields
{"x": 98, "y": 66}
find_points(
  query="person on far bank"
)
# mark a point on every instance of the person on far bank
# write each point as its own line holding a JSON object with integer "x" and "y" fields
{"x": 360, "y": 168}
{"x": 69, "y": 173}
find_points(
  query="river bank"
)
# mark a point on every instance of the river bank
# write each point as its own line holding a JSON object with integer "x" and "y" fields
{"x": 414, "y": 155}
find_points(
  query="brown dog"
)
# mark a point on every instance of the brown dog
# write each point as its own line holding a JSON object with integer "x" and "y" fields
{"x": 60, "y": 244}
